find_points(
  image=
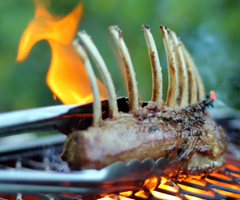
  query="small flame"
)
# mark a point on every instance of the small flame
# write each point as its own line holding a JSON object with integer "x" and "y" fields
{"x": 66, "y": 77}
{"x": 164, "y": 196}
{"x": 189, "y": 197}
{"x": 164, "y": 185}
{"x": 105, "y": 198}
{"x": 54, "y": 97}
{"x": 143, "y": 194}
{"x": 213, "y": 95}
{"x": 196, "y": 190}
{"x": 126, "y": 194}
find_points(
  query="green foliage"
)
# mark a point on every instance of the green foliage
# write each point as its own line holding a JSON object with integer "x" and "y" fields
{"x": 210, "y": 30}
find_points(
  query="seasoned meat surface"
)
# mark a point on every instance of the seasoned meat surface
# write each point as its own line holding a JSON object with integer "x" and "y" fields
{"x": 187, "y": 137}
{"x": 179, "y": 129}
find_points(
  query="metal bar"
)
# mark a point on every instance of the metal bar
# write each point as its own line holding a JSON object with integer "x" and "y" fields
{"x": 8, "y": 188}
{"x": 50, "y": 118}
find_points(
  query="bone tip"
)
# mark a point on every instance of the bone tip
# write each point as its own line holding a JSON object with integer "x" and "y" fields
{"x": 75, "y": 42}
{"x": 162, "y": 27}
{"x": 146, "y": 26}
{"x": 84, "y": 33}
{"x": 81, "y": 32}
{"x": 113, "y": 27}
{"x": 116, "y": 29}
{"x": 169, "y": 31}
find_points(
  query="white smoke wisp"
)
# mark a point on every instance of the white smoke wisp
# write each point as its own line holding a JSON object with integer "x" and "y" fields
{"x": 215, "y": 64}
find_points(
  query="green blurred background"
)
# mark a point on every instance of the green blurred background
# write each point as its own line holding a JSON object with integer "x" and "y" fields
{"x": 209, "y": 29}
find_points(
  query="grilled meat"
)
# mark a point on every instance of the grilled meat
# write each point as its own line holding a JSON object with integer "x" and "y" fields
{"x": 187, "y": 136}
{"x": 180, "y": 130}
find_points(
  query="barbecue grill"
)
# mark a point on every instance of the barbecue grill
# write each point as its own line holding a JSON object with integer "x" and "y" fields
{"x": 35, "y": 170}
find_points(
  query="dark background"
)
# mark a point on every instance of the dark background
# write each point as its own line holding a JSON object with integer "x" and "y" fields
{"x": 209, "y": 29}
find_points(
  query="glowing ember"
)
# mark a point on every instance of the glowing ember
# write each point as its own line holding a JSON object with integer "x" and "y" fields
{"x": 218, "y": 175}
{"x": 126, "y": 194}
{"x": 54, "y": 97}
{"x": 229, "y": 194}
{"x": 237, "y": 175}
{"x": 164, "y": 185}
{"x": 142, "y": 194}
{"x": 228, "y": 185}
{"x": 230, "y": 166}
{"x": 150, "y": 183}
{"x": 189, "y": 197}
{"x": 213, "y": 95}
{"x": 161, "y": 195}
{"x": 168, "y": 187}
{"x": 124, "y": 198}
{"x": 195, "y": 190}
{"x": 105, "y": 198}
{"x": 196, "y": 181}
{"x": 66, "y": 77}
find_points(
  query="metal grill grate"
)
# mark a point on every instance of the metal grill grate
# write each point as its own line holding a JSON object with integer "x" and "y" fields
{"x": 224, "y": 184}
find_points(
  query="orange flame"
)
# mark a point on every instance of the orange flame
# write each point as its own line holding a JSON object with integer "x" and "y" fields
{"x": 66, "y": 77}
{"x": 164, "y": 196}
{"x": 213, "y": 95}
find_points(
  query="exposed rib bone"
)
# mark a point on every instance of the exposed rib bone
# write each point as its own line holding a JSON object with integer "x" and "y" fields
{"x": 193, "y": 90}
{"x": 130, "y": 74}
{"x": 200, "y": 86}
{"x": 173, "y": 89}
{"x": 97, "y": 110}
{"x": 113, "y": 108}
{"x": 155, "y": 64}
{"x": 183, "y": 72}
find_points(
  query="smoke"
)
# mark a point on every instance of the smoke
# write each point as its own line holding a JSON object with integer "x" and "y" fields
{"x": 51, "y": 153}
{"x": 215, "y": 64}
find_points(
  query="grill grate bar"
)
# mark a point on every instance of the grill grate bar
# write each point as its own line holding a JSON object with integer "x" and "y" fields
{"x": 18, "y": 165}
{"x": 39, "y": 195}
{"x": 65, "y": 197}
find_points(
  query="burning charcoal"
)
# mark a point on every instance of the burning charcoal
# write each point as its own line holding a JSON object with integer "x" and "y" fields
{"x": 179, "y": 130}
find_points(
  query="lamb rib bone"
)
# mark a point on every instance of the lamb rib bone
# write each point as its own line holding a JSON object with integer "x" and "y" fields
{"x": 157, "y": 82}
{"x": 200, "y": 86}
{"x": 113, "y": 108}
{"x": 193, "y": 90}
{"x": 97, "y": 109}
{"x": 173, "y": 89}
{"x": 182, "y": 73}
{"x": 134, "y": 102}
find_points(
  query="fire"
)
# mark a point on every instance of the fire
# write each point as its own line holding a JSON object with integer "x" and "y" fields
{"x": 126, "y": 194}
{"x": 213, "y": 95}
{"x": 143, "y": 194}
{"x": 164, "y": 185}
{"x": 161, "y": 195}
{"x": 195, "y": 190}
{"x": 66, "y": 76}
